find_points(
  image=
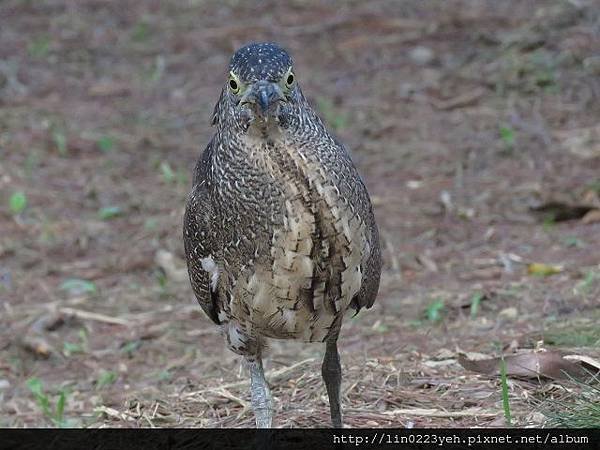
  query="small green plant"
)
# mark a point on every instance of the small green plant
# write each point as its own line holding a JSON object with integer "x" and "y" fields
{"x": 594, "y": 186}
{"x": 70, "y": 348}
{"x": 580, "y": 408}
{"x": 39, "y": 47}
{"x": 415, "y": 323}
{"x": 380, "y": 327}
{"x": 573, "y": 335}
{"x": 549, "y": 222}
{"x": 158, "y": 69}
{"x": 475, "y": 303}
{"x": 171, "y": 175}
{"x": 77, "y": 286}
{"x": 105, "y": 144}
{"x": 504, "y": 384}
{"x": 587, "y": 283}
{"x": 434, "y": 311}
{"x": 163, "y": 283}
{"x": 507, "y": 135}
{"x": 60, "y": 141}
{"x": 333, "y": 116}
{"x": 527, "y": 71}
{"x": 131, "y": 347}
{"x": 106, "y": 378}
{"x": 167, "y": 172}
{"x": 110, "y": 212}
{"x": 140, "y": 32}
{"x": 164, "y": 375}
{"x": 151, "y": 224}
{"x": 55, "y": 413}
{"x": 17, "y": 202}
{"x": 574, "y": 242}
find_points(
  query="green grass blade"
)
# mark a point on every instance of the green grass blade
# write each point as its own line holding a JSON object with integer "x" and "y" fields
{"x": 475, "y": 303}
{"x": 505, "y": 402}
{"x": 60, "y": 409}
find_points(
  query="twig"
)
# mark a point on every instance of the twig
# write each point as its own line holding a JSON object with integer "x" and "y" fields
{"x": 114, "y": 413}
{"x": 460, "y": 100}
{"x": 472, "y": 412}
{"x": 155, "y": 409}
{"x": 228, "y": 395}
{"x": 87, "y": 315}
{"x": 273, "y": 375}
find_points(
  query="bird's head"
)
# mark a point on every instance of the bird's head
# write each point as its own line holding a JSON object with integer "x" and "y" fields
{"x": 261, "y": 86}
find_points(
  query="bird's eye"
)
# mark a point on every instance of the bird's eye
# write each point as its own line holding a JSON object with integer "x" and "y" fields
{"x": 290, "y": 80}
{"x": 234, "y": 86}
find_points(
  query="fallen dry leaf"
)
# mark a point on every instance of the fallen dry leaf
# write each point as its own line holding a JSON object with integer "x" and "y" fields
{"x": 509, "y": 313}
{"x": 550, "y": 365}
{"x": 37, "y": 345}
{"x": 588, "y": 363}
{"x": 583, "y": 142}
{"x": 592, "y": 216}
{"x": 543, "y": 270}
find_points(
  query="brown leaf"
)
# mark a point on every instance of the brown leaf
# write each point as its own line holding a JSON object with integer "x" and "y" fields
{"x": 530, "y": 365}
{"x": 590, "y": 364}
{"x": 592, "y": 216}
{"x": 37, "y": 345}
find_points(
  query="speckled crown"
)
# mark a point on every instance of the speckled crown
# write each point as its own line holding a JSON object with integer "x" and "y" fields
{"x": 262, "y": 61}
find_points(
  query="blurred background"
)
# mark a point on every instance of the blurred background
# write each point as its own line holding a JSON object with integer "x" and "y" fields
{"x": 474, "y": 123}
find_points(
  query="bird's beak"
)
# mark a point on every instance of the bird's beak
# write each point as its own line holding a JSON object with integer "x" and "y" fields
{"x": 263, "y": 94}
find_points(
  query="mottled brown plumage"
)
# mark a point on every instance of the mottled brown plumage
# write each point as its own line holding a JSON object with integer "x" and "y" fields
{"x": 279, "y": 232}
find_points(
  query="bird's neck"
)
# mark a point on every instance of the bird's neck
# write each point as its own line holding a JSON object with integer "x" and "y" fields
{"x": 265, "y": 143}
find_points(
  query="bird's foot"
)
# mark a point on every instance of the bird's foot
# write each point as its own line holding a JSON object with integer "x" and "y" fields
{"x": 260, "y": 395}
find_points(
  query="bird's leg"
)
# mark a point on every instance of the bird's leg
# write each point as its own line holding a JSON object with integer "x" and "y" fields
{"x": 332, "y": 375}
{"x": 260, "y": 393}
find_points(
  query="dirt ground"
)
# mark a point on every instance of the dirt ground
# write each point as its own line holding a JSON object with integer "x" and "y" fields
{"x": 474, "y": 123}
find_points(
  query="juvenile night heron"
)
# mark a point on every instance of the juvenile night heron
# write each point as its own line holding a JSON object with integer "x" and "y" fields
{"x": 279, "y": 232}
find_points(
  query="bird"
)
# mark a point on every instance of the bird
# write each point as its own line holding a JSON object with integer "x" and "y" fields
{"x": 279, "y": 232}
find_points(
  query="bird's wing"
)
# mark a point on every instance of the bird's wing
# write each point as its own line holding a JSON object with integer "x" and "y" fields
{"x": 371, "y": 272}
{"x": 198, "y": 240}
{"x": 352, "y": 186}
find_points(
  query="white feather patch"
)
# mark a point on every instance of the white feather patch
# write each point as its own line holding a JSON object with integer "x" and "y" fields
{"x": 208, "y": 264}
